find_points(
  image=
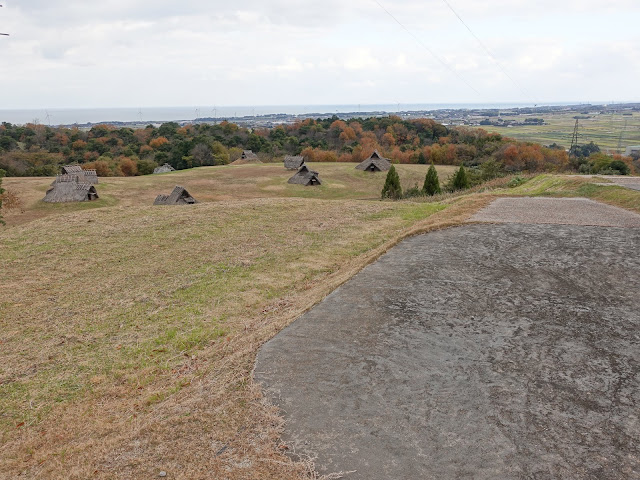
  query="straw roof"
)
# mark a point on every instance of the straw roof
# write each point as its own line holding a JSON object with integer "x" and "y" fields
{"x": 375, "y": 163}
{"x": 77, "y": 172}
{"x": 70, "y": 190}
{"x": 248, "y": 155}
{"x": 179, "y": 196}
{"x": 166, "y": 168}
{"x": 305, "y": 177}
{"x": 293, "y": 162}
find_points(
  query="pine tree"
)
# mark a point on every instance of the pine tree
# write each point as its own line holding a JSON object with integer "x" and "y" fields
{"x": 392, "y": 188}
{"x": 431, "y": 182}
{"x": 460, "y": 180}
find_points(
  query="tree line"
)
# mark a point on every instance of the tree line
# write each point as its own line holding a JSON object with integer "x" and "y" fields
{"x": 36, "y": 150}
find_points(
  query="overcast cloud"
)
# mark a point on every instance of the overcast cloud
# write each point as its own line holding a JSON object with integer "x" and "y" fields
{"x": 274, "y": 52}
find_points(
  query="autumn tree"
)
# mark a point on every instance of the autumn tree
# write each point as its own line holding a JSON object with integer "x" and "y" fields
{"x": 431, "y": 182}
{"x": 392, "y": 188}
{"x": 128, "y": 167}
{"x": 158, "y": 142}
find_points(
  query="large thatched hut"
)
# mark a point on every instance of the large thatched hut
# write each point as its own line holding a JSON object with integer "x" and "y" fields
{"x": 166, "y": 168}
{"x": 293, "y": 162}
{"x": 67, "y": 188}
{"x": 305, "y": 177}
{"x": 179, "y": 196}
{"x": 76, "y": 172}
{"x": 375, "y": 163}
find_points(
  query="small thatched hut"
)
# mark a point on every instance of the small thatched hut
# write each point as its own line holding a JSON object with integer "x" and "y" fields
{"x": 67, "y": 188}
{"x": 76, "y": 172}
{"x": 179, "y": 196}
{"x": 249, "y": 156}
{"x": 305, "y": 177}
{"x": 293, "y": 162}
{"x": 166, "y": 168}
{"x": 375, "y": 163}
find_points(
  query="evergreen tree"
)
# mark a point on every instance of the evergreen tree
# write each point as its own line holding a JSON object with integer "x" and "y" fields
{"x": 460, "y": 180}
{"x": 422, "y": 160}
{"x": 2, "y": 173}
{"x": 431, "y": 182}
{"x": 392, "y": 188}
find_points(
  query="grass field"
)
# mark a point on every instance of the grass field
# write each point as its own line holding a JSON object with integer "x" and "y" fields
{"x": 128, "y": 332}
{"x": 605, "y": 130}
{"x": 341, "y": 181}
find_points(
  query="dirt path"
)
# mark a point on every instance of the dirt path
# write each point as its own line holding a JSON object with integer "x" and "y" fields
{"x": 484, "y": 351}
{"x": 559, "y": 211}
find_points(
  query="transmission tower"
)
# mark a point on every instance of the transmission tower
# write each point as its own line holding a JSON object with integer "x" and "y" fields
{"x": 574, "y": 139}
{"x": 624, "y": 129}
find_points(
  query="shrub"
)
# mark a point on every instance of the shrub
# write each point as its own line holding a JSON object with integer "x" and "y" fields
{"x": 431, "y": 182}
{"x": 621, "y": 167}
{"x": 516, "y": 181}
{"x": 414, "y": 191}
{"x": 392, "y": 188}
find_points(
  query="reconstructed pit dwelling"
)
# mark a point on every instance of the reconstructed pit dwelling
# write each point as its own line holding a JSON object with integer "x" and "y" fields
{"x": 73, "y": 185}
{"x": 375, "y": 163}
{"x": 179, "y": 196}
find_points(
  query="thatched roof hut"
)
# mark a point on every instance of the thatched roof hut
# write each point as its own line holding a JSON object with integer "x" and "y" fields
{"x": 76, "y": 172}
{"x": 166, "y": 168}
{"x": 375, "y": 163}
{"x": 305, "y": 177}
{"x": 293, "y": 162}
{"x": 66, "y": 188}
{"x": 179, "y": 196}
{"x": 248, "y": 155}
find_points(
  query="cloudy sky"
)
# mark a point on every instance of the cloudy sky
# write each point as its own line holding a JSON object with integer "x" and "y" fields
{"x": 122, "y": 53}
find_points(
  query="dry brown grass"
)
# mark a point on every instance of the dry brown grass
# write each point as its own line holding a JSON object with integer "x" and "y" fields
{"x": 129, "y": 333}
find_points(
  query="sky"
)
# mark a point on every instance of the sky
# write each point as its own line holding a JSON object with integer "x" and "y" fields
{"x": 145, "y": 53}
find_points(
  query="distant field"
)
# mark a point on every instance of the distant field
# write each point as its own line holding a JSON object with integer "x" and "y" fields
{"x": 605, "y": 130}
{"x": 341, "y": 181}
{"x": 128, "y": 332}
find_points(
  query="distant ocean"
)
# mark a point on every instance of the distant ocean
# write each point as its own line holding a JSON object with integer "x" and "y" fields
{"x": 69, "y": 116}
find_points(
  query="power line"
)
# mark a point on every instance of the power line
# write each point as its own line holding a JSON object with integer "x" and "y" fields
{"x": 491, "y": 55}
{"x": 422, "y": 44}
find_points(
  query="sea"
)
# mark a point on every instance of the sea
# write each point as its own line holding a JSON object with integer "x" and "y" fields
{"x": 70, "y": 116}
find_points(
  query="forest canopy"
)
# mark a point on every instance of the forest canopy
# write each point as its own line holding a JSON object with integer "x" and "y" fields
{"x": 39, "y": 150}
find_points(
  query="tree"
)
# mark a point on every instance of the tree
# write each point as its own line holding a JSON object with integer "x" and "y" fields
{"x": 392, "y": 188}
{"x": 431, "y": 182}
{"x": 460, "y": 180}
{"x": 2, "y": 173}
